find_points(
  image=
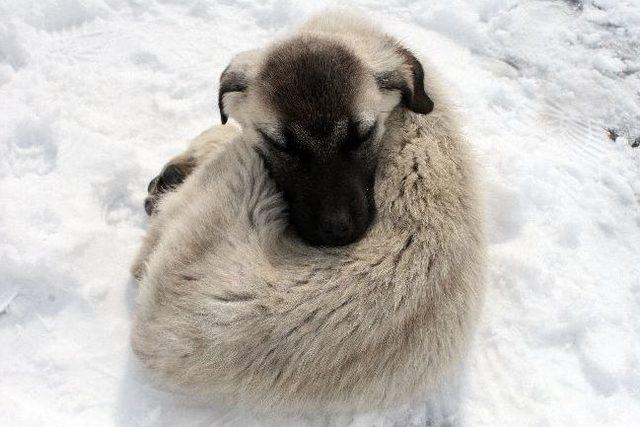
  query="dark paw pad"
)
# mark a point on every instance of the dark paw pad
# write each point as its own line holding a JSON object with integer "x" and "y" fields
{"x": 149, "y": 205}
{"x": 171, "y": 176}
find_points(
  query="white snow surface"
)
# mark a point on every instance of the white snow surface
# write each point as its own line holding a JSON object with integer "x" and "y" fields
{"x": 95, "y": 95}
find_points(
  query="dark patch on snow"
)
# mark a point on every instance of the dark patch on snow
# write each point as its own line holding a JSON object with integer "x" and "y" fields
{"x": 576, "y": 4}
{"x": 614, "y": 134}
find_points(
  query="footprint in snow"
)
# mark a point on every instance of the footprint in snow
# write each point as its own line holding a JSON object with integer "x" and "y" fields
{"x": 31, "y": 148}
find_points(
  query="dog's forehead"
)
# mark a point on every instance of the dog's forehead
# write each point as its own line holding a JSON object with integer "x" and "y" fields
{"x": 311, "y": 83}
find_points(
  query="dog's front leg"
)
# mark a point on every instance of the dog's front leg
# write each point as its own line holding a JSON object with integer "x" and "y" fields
{"x": 169, "y": 178}
{"x": 205, "y": 146}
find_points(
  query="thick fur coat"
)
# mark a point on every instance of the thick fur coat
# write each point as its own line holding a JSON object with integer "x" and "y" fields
{"x": 234, "y": 306}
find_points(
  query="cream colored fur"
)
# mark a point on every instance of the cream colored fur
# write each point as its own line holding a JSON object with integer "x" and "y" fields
{"x": 234, "y": 307}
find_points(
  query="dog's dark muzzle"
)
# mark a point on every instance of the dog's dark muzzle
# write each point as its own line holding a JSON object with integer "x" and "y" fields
{"x": 335, "y": 214}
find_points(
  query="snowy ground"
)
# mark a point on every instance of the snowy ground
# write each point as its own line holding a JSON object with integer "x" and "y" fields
{"x": 95, "y": 95}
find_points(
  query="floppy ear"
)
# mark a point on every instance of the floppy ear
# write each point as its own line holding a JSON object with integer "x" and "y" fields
{"x": 230, "y": 81}
{"x": 409, "y": 80}
{"x": 235, "y": 78}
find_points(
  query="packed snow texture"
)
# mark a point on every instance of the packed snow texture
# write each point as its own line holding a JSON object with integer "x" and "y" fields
{"x": 95, "y": 95}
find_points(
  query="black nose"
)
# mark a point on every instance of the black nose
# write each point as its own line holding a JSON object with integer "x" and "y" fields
{"x": 336, "y": 227}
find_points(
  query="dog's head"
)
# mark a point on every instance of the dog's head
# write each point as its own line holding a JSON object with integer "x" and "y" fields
{"x": 318, "y": 107}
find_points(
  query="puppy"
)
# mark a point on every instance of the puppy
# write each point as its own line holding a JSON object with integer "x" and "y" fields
{"x": 330, "y": 255}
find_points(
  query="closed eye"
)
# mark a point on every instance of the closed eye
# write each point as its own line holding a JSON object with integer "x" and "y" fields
{"x": 368, "y": 133}
{"x": 275, "y": 143}
{"x": 356, "y": 138}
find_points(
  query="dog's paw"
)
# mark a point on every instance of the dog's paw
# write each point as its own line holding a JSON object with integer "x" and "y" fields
{"x": 171, "y": 176}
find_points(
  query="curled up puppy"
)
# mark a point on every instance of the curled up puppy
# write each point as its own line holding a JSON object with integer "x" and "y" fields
{"x": 329, "y": 255}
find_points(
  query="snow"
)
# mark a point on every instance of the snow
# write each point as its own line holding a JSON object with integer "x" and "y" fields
{"x": 95, "y": 95}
